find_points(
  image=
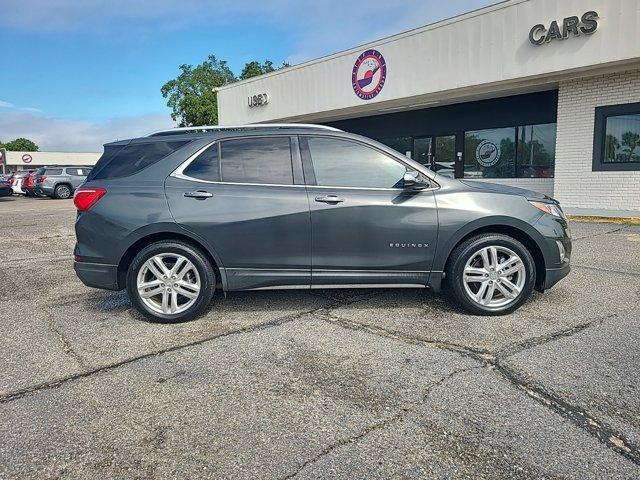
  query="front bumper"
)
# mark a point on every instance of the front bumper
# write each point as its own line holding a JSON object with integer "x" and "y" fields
{"x": 97, "y": 275}
{"x": 554, "y": 275}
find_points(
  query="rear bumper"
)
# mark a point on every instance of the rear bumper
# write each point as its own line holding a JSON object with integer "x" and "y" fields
{"x": 97, "y": 275}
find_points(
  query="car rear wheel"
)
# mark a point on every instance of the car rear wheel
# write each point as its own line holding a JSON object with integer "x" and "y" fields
{"x": 491, "y": 274}
{"x": 62, "y": 191}
{"x": 170, "y": 282}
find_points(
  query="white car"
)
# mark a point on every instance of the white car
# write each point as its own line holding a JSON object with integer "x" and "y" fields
{"x": 16, "y": 182}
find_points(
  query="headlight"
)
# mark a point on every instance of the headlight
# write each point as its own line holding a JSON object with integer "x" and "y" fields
{"x": 550, "y": 208}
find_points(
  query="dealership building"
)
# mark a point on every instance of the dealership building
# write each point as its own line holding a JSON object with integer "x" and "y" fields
{"x": 541, "y": 94}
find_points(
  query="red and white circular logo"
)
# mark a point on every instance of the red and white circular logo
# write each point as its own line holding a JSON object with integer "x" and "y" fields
{"x": 26, "y": 158}
{"x": 369, "y": 74}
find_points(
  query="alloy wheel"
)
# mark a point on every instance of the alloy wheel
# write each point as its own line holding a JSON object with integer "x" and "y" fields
{"x": 64, "y": 192}
{"x": 168, "y": 283}
{"x": 494, "y": 277}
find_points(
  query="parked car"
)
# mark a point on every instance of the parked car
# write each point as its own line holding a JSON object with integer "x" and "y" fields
{"x": 60, "y": 181}
{"x": 171, "y": 217}
{"x": 16, "y": 182}
{"x": 5, "y": 190}
{"x": 28, "y": 183}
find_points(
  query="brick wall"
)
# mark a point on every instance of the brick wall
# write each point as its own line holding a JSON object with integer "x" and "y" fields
{"x": 576, "y": 185}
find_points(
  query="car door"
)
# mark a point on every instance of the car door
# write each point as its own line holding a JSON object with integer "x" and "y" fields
{"x": 246, "y": 197}
{"x": 366, "y": 227}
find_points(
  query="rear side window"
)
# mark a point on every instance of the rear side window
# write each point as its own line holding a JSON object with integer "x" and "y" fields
{"x": 75, "y": 171}
{"x": 52, "y": 171}
{"x": 257, "y": 160}
{"x": 119, "y": 161}
{"x": 206, "y": 166}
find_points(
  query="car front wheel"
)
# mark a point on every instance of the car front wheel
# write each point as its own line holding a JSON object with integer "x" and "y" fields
{"x": 491, "y": 274}
{"x": 170, "y": 282}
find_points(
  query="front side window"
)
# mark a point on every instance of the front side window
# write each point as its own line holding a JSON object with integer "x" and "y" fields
{"x": 617, "y": 138}
{"x": 403, "y": 145}
{"x": 263, "y": 160}
{"x": 490, "y": 153}
{"x": 344, "y": 163}
{"x": 52, "y": 171}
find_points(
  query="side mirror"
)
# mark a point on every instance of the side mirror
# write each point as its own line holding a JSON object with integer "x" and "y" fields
{"x": 412, "y": 181}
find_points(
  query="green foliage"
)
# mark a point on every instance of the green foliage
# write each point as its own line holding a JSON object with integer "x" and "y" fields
{"x": 191, "y": 95}
{"x": 20, "y": 145}
{"x": 253, "y": 69}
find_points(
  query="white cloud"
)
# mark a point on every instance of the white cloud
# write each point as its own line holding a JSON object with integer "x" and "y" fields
{"x": 59, "y": 135}
{"x": 11, "y": 106}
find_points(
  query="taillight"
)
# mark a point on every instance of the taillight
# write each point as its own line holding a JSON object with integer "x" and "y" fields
{"x": 41, "y": 178}
{"x": 86, "y": 197}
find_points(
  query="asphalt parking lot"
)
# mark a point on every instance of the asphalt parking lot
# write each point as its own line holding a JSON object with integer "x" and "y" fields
{"x": 323, "y": 384}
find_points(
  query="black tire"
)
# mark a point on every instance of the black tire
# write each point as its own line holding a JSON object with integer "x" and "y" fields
{"x": 466, "y": 250}
{"x": 196, "y": 257}
{"x": 62, "y": 192}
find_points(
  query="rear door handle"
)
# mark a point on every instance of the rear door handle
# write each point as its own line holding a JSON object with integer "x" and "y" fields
{"x": 200, "y": 194}
{"x": 329, "y": 199}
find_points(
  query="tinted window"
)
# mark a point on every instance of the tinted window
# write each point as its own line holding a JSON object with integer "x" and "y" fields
{"x": 490, "y": 153}
{"x": 52, "y": 171}
{"x": 536, "y": 150}
{"x": 343, "y": 163}
{"x": 121, "y": 161}
{"x": 206, "y": 166}
{"x": 257, "y": 160}
{"x": 75, "y": 171}
{"x": 622, "y": 139}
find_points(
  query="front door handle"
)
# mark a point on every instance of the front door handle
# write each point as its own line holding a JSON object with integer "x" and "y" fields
{"x": 199, "y": 194}
{"x": 333, "y": 199}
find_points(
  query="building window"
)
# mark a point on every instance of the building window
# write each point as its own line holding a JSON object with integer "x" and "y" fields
{"x": 490, "y": 153}
{"x": 536, "y": 151}
{"x": 617, "y": 138}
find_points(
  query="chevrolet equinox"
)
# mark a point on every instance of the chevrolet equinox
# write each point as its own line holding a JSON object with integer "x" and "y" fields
{"x": 172, "y": 216}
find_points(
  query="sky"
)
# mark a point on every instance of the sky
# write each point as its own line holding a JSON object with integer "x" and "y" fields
{"x": 78, "y": 73}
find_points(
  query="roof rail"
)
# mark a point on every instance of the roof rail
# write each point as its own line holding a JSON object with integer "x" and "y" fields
{"x": 251, "y": 126}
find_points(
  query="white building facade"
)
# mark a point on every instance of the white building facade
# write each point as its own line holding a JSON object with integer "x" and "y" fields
{"x": 543, "y": 94}
{"x": 21, "y": 161}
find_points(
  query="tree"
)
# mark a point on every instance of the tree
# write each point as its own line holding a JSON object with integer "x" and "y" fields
{"x": 255, "y": 68}
{"x": 631, "y": 140}
{"x": 20, "y": 145}
{"x": 191, "y": 95}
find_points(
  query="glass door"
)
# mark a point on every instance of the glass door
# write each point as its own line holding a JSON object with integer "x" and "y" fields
{"x": 437, "y": 152}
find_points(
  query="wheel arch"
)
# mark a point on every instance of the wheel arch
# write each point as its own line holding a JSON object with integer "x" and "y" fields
{"x": 521, "y": 231}
{"x": 150, "y": 236}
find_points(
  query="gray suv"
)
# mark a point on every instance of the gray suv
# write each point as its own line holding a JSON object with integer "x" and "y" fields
{"x": 175, "y": 215}
{"x": 60, "y": 181}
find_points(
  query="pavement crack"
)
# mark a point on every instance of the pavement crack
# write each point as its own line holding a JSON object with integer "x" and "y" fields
{"x": 608, "y": 232}
{"x": 67, "y": 348}
{"x": 478, "y": 354}
{"x": 608, "y": 436}
{"x": 388, "y": 421}
{"x": 529, "y": 343}
{"x": 599, "y": 269}
{"x": 88, "y": 373}
{"x": 578, "y": 416}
